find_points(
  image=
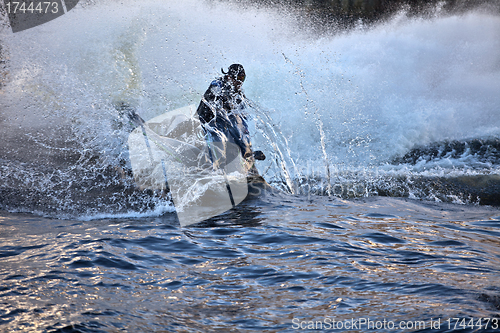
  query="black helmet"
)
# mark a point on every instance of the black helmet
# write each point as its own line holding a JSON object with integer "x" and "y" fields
{"x": 236, "y": 71}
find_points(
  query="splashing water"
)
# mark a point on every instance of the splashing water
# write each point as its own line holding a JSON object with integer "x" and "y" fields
{"x": 334, "y": 113}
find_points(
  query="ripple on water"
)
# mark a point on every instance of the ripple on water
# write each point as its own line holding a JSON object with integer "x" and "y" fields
{"x": 350, "y": 263}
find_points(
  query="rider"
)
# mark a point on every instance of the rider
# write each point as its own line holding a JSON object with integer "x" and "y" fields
{"x": 221, "y": 111}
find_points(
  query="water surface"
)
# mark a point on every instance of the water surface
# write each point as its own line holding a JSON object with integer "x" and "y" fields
{"x": 269, "y": 262}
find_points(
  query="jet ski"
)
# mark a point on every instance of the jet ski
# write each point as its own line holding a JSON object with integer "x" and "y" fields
{"x": 205, "y": 175}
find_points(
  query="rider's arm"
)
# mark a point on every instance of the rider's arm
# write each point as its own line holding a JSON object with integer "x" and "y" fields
{"x": 210, "y": 102}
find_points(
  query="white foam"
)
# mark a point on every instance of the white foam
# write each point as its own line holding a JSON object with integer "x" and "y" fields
{"x": 159, "y": 210}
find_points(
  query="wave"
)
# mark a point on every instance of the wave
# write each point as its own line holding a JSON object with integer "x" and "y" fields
{"x": 481, "y": 153}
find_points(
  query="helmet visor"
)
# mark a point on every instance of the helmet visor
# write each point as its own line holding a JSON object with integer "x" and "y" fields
{"x": 241, "y": 76}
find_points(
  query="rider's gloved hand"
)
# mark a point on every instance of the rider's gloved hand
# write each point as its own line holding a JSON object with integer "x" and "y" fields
{"x": 259, "y": 155}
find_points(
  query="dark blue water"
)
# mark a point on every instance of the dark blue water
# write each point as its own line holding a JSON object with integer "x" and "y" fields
{"x": 402, "y": 115}
{"x": 270, "y": 265}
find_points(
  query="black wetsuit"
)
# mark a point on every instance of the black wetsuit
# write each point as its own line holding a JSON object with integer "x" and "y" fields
{"x": 221, "y": 112}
